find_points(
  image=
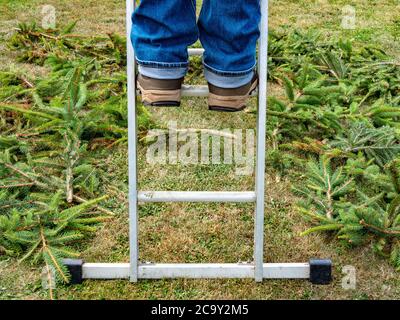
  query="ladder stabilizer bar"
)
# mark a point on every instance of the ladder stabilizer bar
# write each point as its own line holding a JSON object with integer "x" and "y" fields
{"x": 196, "y": 270}
{"x": 318, "y": 271}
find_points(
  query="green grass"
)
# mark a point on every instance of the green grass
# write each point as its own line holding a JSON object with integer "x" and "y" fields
{"x": 210, "y": 233}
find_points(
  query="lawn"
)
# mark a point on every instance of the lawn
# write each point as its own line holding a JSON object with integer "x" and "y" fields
{"x": 212, "y": 232}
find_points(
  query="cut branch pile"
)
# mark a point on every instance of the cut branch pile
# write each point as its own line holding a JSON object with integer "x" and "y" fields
{"x": 339, "y": 118}
{"x": 50, "y": 125}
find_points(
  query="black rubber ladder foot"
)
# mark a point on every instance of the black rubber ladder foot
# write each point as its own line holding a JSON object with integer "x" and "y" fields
{"x": 74, "y": 267}
{"x": 320, "y": 271}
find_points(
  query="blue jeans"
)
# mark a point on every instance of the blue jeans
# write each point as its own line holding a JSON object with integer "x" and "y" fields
{"x": 228, "y": 30}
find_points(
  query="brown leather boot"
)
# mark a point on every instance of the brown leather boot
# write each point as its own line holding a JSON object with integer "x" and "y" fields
{"x": 160, "y": 93}
{"x": 231, "y": 100}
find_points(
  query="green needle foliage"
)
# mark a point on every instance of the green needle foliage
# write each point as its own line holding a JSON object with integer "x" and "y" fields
{"x": 336, "y": 126}
{"x": 44, "y": 232}
{"x": 339, "y": 201}
{"x": 323, "y": 188}
{"x": 50, "y": 123}
{"x": 379, "y": 144}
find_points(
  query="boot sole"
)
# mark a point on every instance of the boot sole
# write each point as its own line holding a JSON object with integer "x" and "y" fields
{"x": 225, "y": 109}
{"x": 162, "y": 104}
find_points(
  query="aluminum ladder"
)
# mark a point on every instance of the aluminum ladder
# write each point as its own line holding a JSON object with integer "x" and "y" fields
{"x": 318, "y": 271}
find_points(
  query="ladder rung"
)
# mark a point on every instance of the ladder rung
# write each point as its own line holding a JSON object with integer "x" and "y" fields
{"x": 196, "y": 51}
{"x": 196, "y": 196}
{"x": 200, "y": 91}
{"x": 197, "y": 91}
{"x": 194, "y": 91}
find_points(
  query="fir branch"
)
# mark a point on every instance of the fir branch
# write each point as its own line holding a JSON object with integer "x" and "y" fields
{"x": 28, "y": 112}
{"x": 380, "y": 230}
{"x": 17, "y": 185}
{"x": 46, "y": 249}
{"x": 25, "y": 175}
{"x": 50, "y": 283}
{"x": 324, "y": 227}
{"x": 82, "y": 200}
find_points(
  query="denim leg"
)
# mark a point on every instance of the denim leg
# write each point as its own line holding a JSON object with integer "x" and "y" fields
{"x": 161, "y": 32}
{"x": 229, "y": 32}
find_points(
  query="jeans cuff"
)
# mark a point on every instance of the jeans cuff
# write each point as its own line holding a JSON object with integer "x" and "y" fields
{"x": 163, "y": 73}
{"x": 229, "y": 73}
{"x": 162, "y": 65}
{"x": 228, "y": 82}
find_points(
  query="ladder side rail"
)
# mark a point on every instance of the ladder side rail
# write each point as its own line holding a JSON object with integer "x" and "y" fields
{"x": 261, "y": 131}
{"x": 132, "y": 148}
